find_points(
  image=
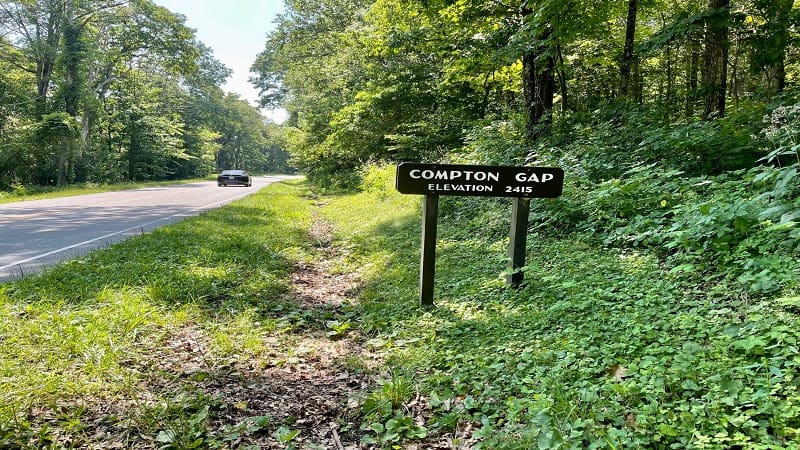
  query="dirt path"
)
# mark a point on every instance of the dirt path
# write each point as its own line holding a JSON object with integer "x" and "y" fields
{"x": 297, "y": 393}
{"x": 300, "y": 391}
{"x": 307, "y": 392}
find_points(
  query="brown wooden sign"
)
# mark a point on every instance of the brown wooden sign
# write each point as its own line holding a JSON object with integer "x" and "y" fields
{"x": 480, "y": 181}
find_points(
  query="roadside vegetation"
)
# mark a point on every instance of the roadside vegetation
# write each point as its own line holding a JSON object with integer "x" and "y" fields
{"x": 662, "y": 294}
{"x": 667, "y": 319}
{"x": 100, "y": 92}
{"x": 613, "y": 342}
{"x": 114, "y": 349}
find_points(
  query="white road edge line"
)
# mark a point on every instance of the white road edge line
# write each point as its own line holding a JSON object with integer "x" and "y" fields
{"x": 141, "y": 225}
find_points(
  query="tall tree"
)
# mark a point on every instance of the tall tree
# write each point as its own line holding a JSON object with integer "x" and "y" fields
{"x": 627, "y": 61}
{"x": 130, "y": 75}
{"x": 715, "y": 58}
{"x": 538, "y": 71}
{"x": 770, "y": 42}
{"x": 35, "y": 30}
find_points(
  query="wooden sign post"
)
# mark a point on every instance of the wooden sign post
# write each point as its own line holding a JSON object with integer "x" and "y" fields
{"x": 520, "y": 183}
{"x": 518, "y": 240}
{"x": 427, "y": 261}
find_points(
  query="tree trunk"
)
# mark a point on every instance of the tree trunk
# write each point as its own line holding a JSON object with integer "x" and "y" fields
{"x": 627, "y": 62}
{"x": 781, "y": 19}
{"x": 538, "y": 85}
{"x": 715, "y": 59}
{"x": 562, "y": 81}
{"x": 778, "y": 84}
{"x": 693, "y": 65}
{"x": 669, "y": 85}
{"x": 48, "y": 35}
{"x": 538, "y": 79}
{"x": 72, "y": 60}
{"x": 62, "y": 161}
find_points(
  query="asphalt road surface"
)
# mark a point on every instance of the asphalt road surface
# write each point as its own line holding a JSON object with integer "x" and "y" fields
{"x": 39, "y": 233}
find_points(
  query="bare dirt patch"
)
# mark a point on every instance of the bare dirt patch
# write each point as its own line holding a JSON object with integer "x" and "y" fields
{"x": 306, "y": 387}
{"x": 317, "y": 284}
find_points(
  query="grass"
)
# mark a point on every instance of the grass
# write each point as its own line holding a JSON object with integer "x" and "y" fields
{"x": 601, "y": 347}
{"x": 103, "y": 329}
{"x": 23, "y": 193}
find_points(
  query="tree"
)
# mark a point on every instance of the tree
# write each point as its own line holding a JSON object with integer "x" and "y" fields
{"x": 715, "y": 58}
{"x": 627, "y": 61}
{"x": 770, "y": 40}
{"x": 35, "y": 30}
{"x": 58, "y": 133}
{"x": 144, "y": 93}
{"x": 244, "y": 141}
{"x": 312, "y": 67}
{"x": 538, "y": 74}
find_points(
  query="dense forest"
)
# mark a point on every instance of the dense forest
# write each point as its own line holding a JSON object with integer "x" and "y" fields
{"x": 677, "y": 121}
{"x": 683, "y": 84}
{"x": 103, "y": 91}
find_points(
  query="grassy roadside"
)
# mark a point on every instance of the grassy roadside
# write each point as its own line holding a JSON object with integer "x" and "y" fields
{"x": 24, "y": 194}
{"x": 173, "y": 340}
{"x": 121, "y": 347}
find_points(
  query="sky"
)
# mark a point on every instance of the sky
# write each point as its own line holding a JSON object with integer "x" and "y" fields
{"x": 236, "y": 30}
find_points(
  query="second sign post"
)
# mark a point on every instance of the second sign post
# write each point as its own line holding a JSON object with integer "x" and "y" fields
{"x": 433, "y": 180}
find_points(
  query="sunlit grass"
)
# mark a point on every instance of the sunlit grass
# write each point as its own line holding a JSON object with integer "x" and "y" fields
{"x": 105, "y": 328}
{"x": 53, "y": 351}
{"x": 599, "y": 347}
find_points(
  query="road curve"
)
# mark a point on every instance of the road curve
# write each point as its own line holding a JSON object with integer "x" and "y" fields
{"x": 39, "y": 233}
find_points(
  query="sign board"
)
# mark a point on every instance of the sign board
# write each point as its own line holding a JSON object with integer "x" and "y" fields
{"x": 479, "y": 181}
{"x": 433, "y": 180}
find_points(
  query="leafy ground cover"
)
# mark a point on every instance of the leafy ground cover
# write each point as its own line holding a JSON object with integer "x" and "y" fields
{"x": 290, "y": 320}
{"x": 604, "y": 347}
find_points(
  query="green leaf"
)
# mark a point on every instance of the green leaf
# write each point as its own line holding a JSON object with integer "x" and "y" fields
{"x": 690, "y": 385}
{"x": 390, "y": 437}
{"x": 782, "y": 226}
{"x": 692, "y": 347}
{"x": 793, "y": 302}
{"x": 550, "y": 438}
{"x": 166, "y": 436}
{"x": 257, "y": 423}
{"x": 392, "y": 424}
{"x": 418, "y": 432}
{"x": 667, "y": 430}
{"x": 731, "y": 387}
{"x": 434, "y": 400}
{"x": 286, "y": 435}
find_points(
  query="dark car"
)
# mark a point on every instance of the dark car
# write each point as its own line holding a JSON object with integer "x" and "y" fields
{"x": 234, "y": 177}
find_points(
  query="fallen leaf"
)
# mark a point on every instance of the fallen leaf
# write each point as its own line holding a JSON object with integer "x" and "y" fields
{"x": 617, "y": 371}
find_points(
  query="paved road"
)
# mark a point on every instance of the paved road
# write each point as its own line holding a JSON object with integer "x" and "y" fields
{"x": 39, "y": 233}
